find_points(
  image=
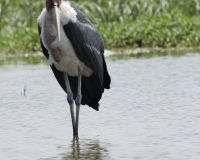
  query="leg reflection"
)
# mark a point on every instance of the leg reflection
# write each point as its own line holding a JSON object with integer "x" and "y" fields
{"x": 75, "y": 147}
{"x": 86, "y": 149}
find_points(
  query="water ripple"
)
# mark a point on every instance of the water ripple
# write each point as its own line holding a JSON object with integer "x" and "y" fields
{"x": 151, "y": 112}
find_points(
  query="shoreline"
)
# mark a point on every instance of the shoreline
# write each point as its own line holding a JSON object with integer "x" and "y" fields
{"x": 143, "y": 51}
{"x": 116, "y": 52}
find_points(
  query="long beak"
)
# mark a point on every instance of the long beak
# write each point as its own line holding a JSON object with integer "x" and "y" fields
{"x": 56, "y": 18}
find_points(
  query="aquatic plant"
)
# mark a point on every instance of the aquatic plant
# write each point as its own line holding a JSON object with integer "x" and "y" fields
{"x": 122, "y": 23}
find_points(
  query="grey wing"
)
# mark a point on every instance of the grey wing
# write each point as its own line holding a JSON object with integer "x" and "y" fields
{"x": 87, "y": 43}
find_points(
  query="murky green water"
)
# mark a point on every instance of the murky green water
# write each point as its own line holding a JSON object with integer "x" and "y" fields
{"x": 151, "y": 112}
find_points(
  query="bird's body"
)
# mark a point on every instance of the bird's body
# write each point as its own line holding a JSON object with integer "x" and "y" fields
{"x": 61, "y": 54}
{"x": 74, "y": 49}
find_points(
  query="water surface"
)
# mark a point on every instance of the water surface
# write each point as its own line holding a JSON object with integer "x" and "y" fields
{"x": 151, "y": 112}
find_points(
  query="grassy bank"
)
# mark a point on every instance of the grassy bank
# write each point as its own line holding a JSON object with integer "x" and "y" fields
{"x": 122, "y": 23}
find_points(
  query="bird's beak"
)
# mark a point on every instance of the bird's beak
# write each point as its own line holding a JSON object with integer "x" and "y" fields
{"x": 55, "y": 14}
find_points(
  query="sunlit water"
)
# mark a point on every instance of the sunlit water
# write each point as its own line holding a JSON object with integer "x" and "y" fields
{"x": 152, "y": 112}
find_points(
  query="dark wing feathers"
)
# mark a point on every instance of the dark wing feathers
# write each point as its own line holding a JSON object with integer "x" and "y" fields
{"x": 89, "y": 49}
{"x": 44, "y": 50}
{"x": 87, "y": 43}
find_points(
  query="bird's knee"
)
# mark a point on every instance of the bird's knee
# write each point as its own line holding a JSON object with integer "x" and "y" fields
{"x": 78, "y": 100}
{"x": 70, "y": 98}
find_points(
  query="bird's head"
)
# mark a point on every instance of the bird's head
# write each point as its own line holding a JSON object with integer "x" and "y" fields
{"x": 53, "y": 7}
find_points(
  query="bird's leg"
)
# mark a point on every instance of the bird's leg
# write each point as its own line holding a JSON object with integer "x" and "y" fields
{"x": 78, "y": 100}
{"x": 70, "y": 100}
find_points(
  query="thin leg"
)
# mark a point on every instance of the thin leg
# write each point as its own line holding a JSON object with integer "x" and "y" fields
{"x": 78, "y": 101}
{"x": 70, "y": 100}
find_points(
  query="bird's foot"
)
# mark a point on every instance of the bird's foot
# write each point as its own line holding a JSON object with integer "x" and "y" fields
{"x": 75, "y": 134}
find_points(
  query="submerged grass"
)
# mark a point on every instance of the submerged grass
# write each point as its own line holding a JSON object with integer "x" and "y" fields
{"x": 122, "y": 53}
{"x": 152, "y": 53}
{"x": 22, "y": 59}
{"x": 122, "y": 23}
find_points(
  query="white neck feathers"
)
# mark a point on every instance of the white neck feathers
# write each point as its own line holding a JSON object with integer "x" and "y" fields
{"x": 67, "y": 13}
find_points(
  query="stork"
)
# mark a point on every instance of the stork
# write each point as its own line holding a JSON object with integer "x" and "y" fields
{"x": 75, "y": 52}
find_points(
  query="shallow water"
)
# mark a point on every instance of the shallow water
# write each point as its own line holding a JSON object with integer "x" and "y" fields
{"x": 151, "y": 112}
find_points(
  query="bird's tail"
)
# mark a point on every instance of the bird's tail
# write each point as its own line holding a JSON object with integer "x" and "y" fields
{"x": 91, "y": 88}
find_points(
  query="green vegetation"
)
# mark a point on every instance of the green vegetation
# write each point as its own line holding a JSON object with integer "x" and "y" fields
{"x": 152, "y": 53}
{"x": 122, "y": 23}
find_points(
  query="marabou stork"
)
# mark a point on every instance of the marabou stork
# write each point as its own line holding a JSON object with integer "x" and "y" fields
{"x": 75, "y": 52}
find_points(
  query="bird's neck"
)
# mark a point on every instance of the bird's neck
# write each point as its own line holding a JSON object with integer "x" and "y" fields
{"x": 67, "y": 14}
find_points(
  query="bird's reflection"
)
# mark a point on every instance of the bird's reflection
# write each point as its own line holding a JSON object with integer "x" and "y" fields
{"x": 86, "y": 149}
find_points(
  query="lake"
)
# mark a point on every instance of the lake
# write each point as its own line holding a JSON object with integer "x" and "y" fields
{"x": 152, "y": 111}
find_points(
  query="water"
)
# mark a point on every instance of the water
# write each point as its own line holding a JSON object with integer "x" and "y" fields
{"x": 151, "y": 112}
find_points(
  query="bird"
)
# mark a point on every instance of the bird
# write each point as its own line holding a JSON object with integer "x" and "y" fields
{"x": 74, "y": 49}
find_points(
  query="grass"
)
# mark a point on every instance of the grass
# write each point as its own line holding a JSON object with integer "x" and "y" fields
{"x": 24, "y": 90}
{"x": 165, "y": 31}
{"x": 122, "y": 23}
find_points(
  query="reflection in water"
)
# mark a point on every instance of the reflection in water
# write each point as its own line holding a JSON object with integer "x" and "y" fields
{"x": 83, "y": 149}
{"x": 86, "y": 149}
